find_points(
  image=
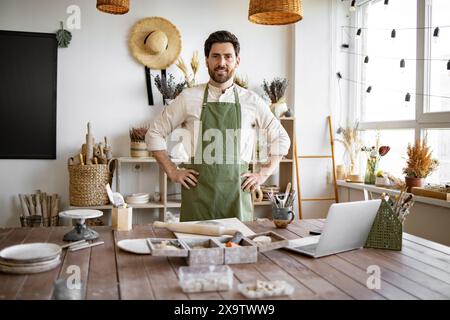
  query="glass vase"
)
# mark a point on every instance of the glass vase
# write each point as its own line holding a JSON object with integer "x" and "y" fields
{"x": 371, "y": 171}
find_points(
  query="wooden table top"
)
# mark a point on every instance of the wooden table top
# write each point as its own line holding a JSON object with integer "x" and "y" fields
{"x": 420, "y": 271}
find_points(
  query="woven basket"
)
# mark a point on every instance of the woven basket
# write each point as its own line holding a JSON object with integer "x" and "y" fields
{"x": 39, "y": 221}
{"x": 275, "y": 12}
{"x": 387, "y": 230}
{"x": 87, "y": 184}
{"x": 113, "y": 6}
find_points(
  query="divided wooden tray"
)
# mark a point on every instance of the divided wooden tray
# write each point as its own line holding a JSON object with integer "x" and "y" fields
{"x": 430, "y": 193}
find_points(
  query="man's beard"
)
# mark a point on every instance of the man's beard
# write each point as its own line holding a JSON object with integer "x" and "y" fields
{"x": 221, "y": 77}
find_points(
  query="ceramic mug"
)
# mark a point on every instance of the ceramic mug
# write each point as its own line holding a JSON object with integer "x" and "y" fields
{"x": 282, "y": 216}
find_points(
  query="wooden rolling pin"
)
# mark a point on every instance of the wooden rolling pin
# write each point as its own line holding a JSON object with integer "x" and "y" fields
{"x": 195, "y": 228}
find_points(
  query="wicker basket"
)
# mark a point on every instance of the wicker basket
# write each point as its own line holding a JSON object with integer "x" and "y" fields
{"x": 275, "y": 12}
{"x": 87, "y": 184}
{"x": 113, "y": 6}
{"x": 387, "y": 230}
{"x": 39, "y": 221}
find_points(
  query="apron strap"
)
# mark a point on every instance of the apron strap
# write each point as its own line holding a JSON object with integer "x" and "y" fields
{"x": 205, "y": 97}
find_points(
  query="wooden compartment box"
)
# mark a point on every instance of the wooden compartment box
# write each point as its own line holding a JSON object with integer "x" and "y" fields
{"x": 246, "y": 253}
{"x": 276, "y": 242}
{"x": 203, "y": 251}
{"x": 158, "y": 250}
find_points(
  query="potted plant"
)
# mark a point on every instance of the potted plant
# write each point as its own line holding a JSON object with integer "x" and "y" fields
{"x": 374, "y": 155}
{"x": 138, "y": 147}
{"x": 419, "y": 164}
{"x": 168, "y": 87}
{"x": 276, "y": 91}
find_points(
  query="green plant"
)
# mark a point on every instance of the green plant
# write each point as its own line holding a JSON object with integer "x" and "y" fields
{"x": 276, "y": 89}
{"x": 420, "y": 163}
{"x": 168, "y": 87}
{"x": 137, "y": 134}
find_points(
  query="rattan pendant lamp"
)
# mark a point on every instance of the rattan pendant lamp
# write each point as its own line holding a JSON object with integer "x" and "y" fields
{"x": 113, "y": 6}
{"x": 275, "y": 12}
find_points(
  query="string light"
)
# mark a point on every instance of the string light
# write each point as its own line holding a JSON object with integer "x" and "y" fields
{"x": 407, "y": 96}
{"x": 402, "y": 63}
{"x": 366, "y": 59}
{"x": 352, "y": 6}
{"x": 448, "y": 67}
{"x": 393, "y": 33}
{"x": 358, "y": 32}
{"x": 436, "y": 32}
{"x": 386, "y": 2}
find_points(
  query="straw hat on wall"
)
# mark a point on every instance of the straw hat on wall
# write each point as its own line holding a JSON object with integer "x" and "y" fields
{"x": 155, "y": 42}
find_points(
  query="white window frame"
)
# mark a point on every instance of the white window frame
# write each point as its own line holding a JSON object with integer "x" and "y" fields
{"x": 423, "y": 120}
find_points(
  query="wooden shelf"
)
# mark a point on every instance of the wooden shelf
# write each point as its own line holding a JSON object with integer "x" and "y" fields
{"x": 135, "y": 160}
{"x": 173, "y": 204}
{"x": 262, "y": 203}
{"x": 103, "y": 207}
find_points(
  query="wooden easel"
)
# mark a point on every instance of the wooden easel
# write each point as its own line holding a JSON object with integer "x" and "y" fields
{"x": 297, "y": 157}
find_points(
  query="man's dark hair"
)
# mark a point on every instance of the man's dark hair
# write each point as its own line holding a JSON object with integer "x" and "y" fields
{"x": 222, "y": 37}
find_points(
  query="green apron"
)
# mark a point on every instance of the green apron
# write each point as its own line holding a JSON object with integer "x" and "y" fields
{"x": 218, "y": 193}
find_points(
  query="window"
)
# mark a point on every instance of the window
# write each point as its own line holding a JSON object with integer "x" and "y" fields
{"x": 399, "y": 57}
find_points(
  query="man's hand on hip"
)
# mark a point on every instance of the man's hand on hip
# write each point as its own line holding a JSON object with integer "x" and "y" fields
{"x": 184, "y": 176}
{"x": 252, "y": 181}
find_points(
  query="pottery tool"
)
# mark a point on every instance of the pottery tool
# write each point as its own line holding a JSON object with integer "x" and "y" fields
{"x": 72, "y": 244}
{"x": 194, "y": 228}
{"x": 85, "y": 246}
{"x": 80, "y": 156}
{"x": 235, "y": 240}
{"x": 288, "y": 190}
{"x": 89, "y": 145}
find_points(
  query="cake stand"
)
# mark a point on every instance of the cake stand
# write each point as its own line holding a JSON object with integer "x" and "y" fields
{"x": 80, "y": 231}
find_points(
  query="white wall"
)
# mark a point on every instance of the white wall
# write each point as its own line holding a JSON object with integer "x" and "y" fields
{"x": 99, "y": 81}
{"x": 317, "y": 59}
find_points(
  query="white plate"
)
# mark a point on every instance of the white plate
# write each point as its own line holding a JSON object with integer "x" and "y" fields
{"x": 139, "y": 195}
{"x": 81, "y": 214}
{"x": 138, "y": 246}
{"x": 11, "y": 263}
{"x": 31, "y": 252}
{"x": 31, "y": 269}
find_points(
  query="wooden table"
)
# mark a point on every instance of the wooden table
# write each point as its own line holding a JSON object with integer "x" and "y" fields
{"x": 420, "y": 271}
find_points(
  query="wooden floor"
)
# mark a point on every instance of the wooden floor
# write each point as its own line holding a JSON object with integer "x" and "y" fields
{"x": 420, "y": 271}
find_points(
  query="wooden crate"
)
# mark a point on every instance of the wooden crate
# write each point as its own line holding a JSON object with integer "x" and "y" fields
{"x": 430, "y": 193}
{"x": 210, "y": 253}
{"x": 276, "y": 243}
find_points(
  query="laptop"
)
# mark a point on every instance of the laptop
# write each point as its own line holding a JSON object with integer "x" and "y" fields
{"x": 347, "y": 227}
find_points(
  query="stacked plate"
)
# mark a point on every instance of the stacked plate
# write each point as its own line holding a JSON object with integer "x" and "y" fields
{"x": 138, "y": 198}
{"x": 30, "y": 258}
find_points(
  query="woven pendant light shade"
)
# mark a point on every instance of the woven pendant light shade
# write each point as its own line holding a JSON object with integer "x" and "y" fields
{"x": 275, "y": 12}
{"x": 113, "y": 6}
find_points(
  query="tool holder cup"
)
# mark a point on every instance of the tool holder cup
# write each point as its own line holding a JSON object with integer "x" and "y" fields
{"x": 282, "y": 217}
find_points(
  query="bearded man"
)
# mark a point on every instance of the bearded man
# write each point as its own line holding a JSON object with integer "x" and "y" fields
{"x": 216, "y": 182}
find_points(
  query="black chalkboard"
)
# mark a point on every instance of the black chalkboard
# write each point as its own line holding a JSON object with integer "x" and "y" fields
{"x": 28, "y": 68}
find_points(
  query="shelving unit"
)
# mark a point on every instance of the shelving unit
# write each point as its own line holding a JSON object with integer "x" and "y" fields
{"x": 285, "y": 172}
{"x": 285, "y": 175}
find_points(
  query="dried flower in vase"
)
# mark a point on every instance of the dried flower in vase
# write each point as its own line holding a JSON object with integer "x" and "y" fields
{"x": 349, "y": 137}
{"x": 168, "y": 87}
{"x": 137, "y": 134}
{"x": 241, "y": 81}
{"x": 189, "y": 79}
{"x": 276, "y": 89}
{"x": 420, "y": 163}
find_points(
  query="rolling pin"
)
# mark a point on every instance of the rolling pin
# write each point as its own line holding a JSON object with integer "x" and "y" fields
{"x": 89, "y": 145}
{"x": 195, "y": 228}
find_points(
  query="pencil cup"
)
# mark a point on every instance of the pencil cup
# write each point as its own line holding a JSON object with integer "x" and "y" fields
{"x": 282, "y": 216}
